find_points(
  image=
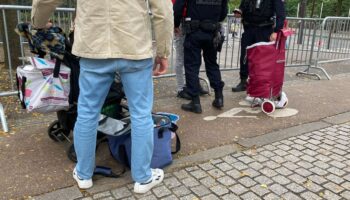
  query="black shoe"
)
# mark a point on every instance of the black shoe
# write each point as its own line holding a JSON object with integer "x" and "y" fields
{"x": 242, "y": 86}
{"x": 183, "y": 94}
{"x": 218, "y": 103}
{"x": 192, "y": 107}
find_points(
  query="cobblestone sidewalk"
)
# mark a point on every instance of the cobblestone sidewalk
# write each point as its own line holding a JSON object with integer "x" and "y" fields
{"x": 315, "y": 165}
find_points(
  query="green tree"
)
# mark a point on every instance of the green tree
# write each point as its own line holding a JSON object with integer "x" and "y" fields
{"x": 233, "y": 4}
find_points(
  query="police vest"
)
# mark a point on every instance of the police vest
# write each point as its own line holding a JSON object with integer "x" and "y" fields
{"x": 257, "y": 11}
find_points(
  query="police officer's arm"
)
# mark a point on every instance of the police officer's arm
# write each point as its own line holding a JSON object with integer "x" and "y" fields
{"x": 42, "y": 10}
{"x": 179, "y": 6}
{"x": 224, "y": 11}
{"x": 280, "y": 14}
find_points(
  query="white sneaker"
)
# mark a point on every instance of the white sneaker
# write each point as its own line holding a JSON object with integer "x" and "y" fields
{"x": 157, "y": 177}
{"x": 82, "y": 184}
{"x": 283, "y": 102}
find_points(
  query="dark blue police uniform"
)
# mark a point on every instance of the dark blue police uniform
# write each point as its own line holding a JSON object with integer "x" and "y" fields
{"x": 258, "y": 24}
{"x": 201, "y": 26}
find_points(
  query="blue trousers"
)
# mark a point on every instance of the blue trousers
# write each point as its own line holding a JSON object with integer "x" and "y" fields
{"x": 96, "y": 76}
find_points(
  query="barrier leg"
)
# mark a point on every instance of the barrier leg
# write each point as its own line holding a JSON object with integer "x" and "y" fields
{"x": 306, "y": 72}
{"x": 323, "y": 70}
{"x": 207, "y": 83}
{"x": 3, "y": 119}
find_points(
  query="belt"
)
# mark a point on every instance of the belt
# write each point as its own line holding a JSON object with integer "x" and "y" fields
{"x": 260, "y": 24}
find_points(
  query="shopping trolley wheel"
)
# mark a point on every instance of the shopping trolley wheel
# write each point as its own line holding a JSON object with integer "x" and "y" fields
{"x": 268, "y": 106}
{"x": 71, "y": 153}
{"x": 56, "y": 132}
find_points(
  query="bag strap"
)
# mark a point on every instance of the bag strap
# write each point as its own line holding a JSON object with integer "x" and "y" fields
{"x": 56, "y": 70}
{"x": 103, "y": 170}
{"x": 278, "y": 40}
{"x": 278, "y": 43}
{"x": 107, "y": 172}
{"x": 22, "y": 89}
{"x": 174, "y": 128}
{"x": 102, "y": 121}
{"x": 178, "y": 144}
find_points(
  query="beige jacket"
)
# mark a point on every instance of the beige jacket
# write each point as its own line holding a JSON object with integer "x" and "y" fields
{"x": 115, "y": 28}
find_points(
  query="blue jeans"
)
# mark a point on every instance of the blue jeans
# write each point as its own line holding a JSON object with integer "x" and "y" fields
{"x": 96, "y": 76}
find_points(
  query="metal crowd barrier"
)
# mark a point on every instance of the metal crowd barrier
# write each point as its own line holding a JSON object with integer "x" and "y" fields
{"x": 333, "y": 43}
{"x": 62, "y": 17}
{"x": 300, "y": 47}
{"x": 316, "y": 41}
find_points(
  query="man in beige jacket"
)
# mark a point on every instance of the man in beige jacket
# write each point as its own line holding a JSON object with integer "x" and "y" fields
{"x": 116, "y": 36}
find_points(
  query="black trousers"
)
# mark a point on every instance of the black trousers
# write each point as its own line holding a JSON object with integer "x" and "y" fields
{"x": 194, "y": 44}
{"x": 251, "y": 35}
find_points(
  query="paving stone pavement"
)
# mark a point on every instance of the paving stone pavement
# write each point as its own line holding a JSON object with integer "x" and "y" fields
{"x": 315, "y": 165}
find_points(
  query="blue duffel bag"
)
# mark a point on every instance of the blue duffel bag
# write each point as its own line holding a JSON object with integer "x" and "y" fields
{"x": 164, "y": 130}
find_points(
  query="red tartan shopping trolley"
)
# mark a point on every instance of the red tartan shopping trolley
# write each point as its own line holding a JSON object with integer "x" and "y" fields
{"x": 266, "y": 63}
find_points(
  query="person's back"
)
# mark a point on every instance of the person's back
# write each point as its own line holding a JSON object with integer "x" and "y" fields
{"x": 115, "y": 36}
{"x": 115, "y": 28}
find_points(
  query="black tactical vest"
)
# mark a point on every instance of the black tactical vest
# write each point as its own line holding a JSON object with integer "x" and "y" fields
{"x": 257, "y": 12}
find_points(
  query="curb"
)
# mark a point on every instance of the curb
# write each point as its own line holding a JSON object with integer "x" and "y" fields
{"x": 295, "y": 130}
{"x": 282, "y": 134}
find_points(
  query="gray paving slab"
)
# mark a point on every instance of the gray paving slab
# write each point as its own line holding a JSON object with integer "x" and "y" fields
{"x": 310, "y": 177}
{"x": 62, "y": 194}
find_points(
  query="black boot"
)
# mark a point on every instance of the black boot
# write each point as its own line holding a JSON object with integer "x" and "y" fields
{"x": 242, "y": 86}
{"x": 184, "y": 94}
{"x": 219, "y": 100}
{"x": 193, "y": 106}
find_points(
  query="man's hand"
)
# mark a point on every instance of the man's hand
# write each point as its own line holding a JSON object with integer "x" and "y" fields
{"x": 160, "y": 66}
{"x": 49, "y": 24}
{"x": 273, "y": 36}
{"x": 177, "y": 31}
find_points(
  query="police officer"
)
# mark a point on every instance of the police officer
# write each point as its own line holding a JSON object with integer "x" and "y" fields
{"x": 257, "y": 18}
{"x": 202, "y": 29}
